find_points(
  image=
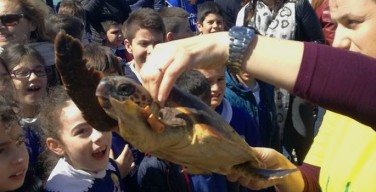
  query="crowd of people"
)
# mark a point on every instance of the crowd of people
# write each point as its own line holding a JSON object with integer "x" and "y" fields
{"x": 302, "y": 96}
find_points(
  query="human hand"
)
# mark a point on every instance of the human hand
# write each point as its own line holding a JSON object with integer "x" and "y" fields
{"x": 169, "y": 60}
{"x": 125, "y": 161}
{"x": 271, "y": 159}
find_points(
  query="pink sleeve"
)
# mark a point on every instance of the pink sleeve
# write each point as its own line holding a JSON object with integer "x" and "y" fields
{"x": 339, "y": 80}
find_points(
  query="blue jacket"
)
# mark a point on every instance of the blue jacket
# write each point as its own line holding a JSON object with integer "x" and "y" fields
{"x": 265, "y": 113}
{"x": 191, "y": 9}
{"x": 158, "y": 175}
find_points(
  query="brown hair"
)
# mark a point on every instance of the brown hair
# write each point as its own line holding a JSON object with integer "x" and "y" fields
{"x": 143, "y": 18}
{"x": 50, "y": 112}
{"x": 14, "y": 53}
{"x": 8, "y": 112}
{"x": 173, "y": 17}
{"x": 101, "y": 58}
{"x": 36, "y": 12}
{"x": 72, "y": 7}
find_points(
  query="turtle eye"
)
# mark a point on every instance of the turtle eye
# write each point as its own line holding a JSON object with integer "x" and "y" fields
{"x": 126, "y": 90}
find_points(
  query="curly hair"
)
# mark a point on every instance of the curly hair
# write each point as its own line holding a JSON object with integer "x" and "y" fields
{"x": 36, "y": 12}
{"x": 50, "y": 112}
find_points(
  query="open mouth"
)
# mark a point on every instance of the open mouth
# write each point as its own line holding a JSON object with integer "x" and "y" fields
{"x": 33, "y": 88}
{"x": 100, "y": 153}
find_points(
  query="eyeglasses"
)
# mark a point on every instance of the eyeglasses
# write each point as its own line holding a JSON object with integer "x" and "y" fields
{"x": 11, "y": 19}
{"x": 26, "y": 72}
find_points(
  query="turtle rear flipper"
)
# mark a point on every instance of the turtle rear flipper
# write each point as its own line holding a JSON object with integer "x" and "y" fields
{"x": 259, "y": 173}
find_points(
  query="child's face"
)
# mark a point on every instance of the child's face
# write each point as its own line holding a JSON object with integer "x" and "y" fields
{"x": 217, "y": 82}
{"x": 114, "y": 36}
{"x": 142, "y": 44}
{"x": 14, "y": 158}
{"x": 84, "y": 147}
{"x": 211, "y": 24}
{"x": 33, "y": 88}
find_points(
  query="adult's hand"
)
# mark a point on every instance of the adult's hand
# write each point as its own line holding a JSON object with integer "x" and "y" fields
{"x": 169, "y": 60}
{"x": 271, "y": 159}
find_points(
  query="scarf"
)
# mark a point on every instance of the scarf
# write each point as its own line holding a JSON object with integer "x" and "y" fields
{"x": 280, "y": 25}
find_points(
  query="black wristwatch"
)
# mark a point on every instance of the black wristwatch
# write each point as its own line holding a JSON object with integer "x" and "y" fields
{"x": 240, "y": 38}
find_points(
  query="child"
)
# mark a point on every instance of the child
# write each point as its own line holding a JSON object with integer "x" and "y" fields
{"x": 142, "y": 31}
{"x": 239, "y": 119}
{"x": 28, "y": 75}
{"x": 209, "y": 18}
{"x": 195, "y": 83}
{"x": 102, "y": 59}
{"x": 190, "y": 6}
{"x": 176, "y": 22}
{"x": 113, "y": 37}
{"x": 13, "y": 153}
{"x": 83, "y": 152}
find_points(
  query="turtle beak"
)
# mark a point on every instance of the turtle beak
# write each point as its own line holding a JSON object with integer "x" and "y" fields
{"x": 102, "y": 92}
{"x": 103, "y": 89}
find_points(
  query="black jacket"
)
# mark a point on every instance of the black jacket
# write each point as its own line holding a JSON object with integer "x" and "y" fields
{"x": 100, "y": 10}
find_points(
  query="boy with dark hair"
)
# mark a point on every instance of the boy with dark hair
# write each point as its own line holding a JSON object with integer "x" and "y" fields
{"x": 209, "y": 18}
{"x": 142, "y": 31}
{"x": 113, "y": 37}
{"x": 176, "y": 22}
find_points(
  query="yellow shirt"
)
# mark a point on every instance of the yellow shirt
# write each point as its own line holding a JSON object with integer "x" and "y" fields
{"x": 346, "y": 152}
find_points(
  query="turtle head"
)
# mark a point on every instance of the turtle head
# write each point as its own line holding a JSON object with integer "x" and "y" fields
{"x": 121, "y": 89}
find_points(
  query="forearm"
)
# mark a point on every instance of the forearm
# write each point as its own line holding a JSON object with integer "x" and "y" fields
{"x": 340, "y": 81}
{"x": 274, "y": 61}
{"x": 271, "y": 60}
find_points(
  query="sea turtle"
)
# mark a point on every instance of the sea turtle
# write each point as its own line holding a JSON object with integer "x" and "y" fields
{"x": 185, "y": 131}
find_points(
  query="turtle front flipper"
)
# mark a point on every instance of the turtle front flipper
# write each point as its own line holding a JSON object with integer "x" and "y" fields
{"x": 174, "y": 117}
{"x": 160, "y": 118}
{"x": 80, "y": 82}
